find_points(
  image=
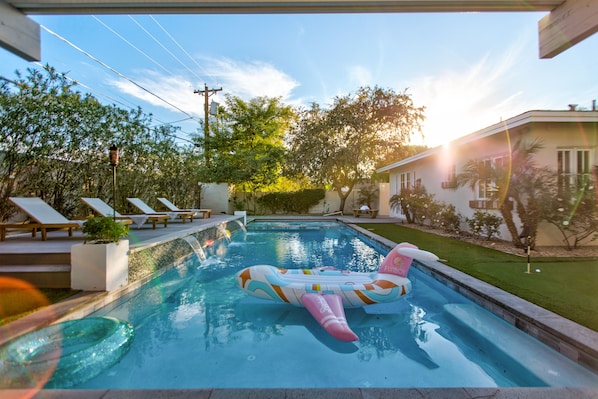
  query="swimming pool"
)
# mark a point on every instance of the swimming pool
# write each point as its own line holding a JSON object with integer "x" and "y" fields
{"x": 194, "y": 328}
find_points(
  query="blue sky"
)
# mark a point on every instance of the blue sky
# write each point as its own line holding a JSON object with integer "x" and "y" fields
{"x": 469, "y": 70}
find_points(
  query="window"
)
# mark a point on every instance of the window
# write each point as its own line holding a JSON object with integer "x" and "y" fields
{"x": 487, "y": 185}
{"x": 405, "y": 180}
{"x": 452, "y": 173}
{"x": 573, "y": 166}
{"x": 451, "y": 178}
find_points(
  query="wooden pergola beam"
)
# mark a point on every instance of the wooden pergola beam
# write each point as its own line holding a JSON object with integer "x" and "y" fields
{"x": 19, "y": 34}
{"x": 273, "y": 6}
{"x": 567, "y": 25}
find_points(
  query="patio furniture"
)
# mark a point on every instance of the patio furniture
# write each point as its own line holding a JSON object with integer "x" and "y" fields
{"x": 106, "y": 210}
{"x": 172, "y": 207}
{"x": 145, "y": 208}
{"x": 369, "y": 212}
{"x": 43, "y": 217}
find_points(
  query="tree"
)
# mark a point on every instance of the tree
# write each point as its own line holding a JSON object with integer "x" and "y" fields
{"x": 515, "y": 183}
{"x": 54, "y": 143}
{"x": 344, "y": 145}
{"x": 44, "y": 130}
{"x": 573, "y": 209}
{"x": 246, "y": 146}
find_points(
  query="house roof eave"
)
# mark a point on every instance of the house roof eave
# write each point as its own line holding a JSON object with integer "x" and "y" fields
{"x": 500, "y": 127}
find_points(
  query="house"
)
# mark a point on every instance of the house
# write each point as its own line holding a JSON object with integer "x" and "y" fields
{"x": 569, "y": 144}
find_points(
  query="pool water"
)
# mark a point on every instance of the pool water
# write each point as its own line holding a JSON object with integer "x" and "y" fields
{"x": 194, "y": 328}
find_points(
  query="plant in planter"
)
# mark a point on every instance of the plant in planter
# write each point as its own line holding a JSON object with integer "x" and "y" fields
{"x": 104, "y": 230}
{"x": 101, "y": 263}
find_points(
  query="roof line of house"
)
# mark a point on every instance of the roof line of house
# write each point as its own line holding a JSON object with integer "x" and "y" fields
{"x": 500, "y": 127}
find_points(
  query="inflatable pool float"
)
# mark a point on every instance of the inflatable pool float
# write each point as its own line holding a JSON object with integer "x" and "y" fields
{"x": 64, "y": 354}
{"x": 325, "y": 292}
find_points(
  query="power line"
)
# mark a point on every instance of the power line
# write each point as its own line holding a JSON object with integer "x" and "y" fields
{"x": 178, "y": 45}
{"x": 132, "y": 45}
{"x": 92, "y": 90}
{"x": 113, "y": 70}
{"x": 165, "y": 48}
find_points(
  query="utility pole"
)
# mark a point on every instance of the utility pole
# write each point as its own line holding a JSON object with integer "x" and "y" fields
{"x": 206, "y": 134}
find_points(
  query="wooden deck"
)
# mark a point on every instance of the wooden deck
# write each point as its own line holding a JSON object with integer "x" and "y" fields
{"x": 46, "y": 264}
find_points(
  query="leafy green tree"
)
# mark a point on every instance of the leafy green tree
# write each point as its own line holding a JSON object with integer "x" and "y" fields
{"x": 43, "y": 132}
{"x": 54, "y": 144}
{"x": 344, "y": 145}
{"x": 246, "y": 145}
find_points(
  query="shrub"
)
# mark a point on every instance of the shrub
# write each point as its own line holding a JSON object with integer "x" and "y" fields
{"x": 484, "y": 224}
{"x": 291, "y": 202}
{"x": 448, "y": 219}
{"x": 104, "y": 230}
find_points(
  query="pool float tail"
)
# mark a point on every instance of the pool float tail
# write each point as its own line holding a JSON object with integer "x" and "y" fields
{"x": 328, "y": 310}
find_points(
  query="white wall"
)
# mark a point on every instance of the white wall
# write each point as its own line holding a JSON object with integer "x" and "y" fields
{"x": 215, "y": 196}
{"x": 433, "y": 169}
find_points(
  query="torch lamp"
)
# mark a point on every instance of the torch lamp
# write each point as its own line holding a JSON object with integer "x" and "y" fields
{"x": 113, "y": 163}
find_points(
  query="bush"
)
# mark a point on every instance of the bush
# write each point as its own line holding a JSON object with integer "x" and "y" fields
{"x": 104, "y": 230}
{"x": 414, "y": 204}
{"x": 448, "y": 219}
{"x": 484, "y": 224}
{"x": 297, "y": 202}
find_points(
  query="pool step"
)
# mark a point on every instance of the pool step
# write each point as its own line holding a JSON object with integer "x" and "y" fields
{"x": 41, "y": 276}
{"x": 497, "y": 332}
{"x": 36, "y": 258}
{"x": 43, "y": 270}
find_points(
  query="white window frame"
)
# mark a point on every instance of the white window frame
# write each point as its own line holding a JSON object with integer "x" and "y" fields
{"x": 574, "y": 166}
{"x": 486, "y": 186}
{"x": 405, "y": 181}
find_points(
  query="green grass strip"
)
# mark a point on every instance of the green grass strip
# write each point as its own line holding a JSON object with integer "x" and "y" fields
{"x": 566, "y": 286}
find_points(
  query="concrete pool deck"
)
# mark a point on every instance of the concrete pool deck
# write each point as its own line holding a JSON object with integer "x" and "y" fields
{"x": 569, "y": 338}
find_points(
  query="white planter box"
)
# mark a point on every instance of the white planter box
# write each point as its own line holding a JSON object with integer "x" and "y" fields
{"x": 99, "y": 267}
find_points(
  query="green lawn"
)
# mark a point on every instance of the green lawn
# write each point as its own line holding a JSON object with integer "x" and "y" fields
{"x": 566, "y": 286}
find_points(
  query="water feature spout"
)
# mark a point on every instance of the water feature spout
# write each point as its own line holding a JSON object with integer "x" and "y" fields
{"x": 196, "y": 247}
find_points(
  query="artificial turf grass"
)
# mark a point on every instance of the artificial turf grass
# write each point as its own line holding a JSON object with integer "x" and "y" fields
{"x": 566, "y": 286}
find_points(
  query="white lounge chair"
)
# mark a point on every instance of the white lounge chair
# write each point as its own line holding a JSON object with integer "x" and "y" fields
{"x": 106, "y": 210}
{"x": 145, "y": 208}
{"x": 43, "y": 217}
{"x": 172, "y": 207}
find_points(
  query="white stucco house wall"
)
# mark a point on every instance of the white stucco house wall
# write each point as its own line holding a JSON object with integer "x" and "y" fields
{"x": 570, "y": 144}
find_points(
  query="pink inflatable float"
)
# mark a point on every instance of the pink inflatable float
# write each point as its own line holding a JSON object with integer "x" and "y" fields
{"x": 325, "y": 292}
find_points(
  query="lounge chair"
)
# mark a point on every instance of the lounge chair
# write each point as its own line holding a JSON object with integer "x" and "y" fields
{"x": 148, "y": 210}
{"x": 172, "y": 207}
{"x": 138, "y": 220}
{"x": 43, "y": 217}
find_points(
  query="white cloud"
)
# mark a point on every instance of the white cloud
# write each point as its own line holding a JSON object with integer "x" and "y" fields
{"x": 176, "y": 90}
{"x": 459, "y": 102}
{"x": 359, "y": 75}
{"x": 251, "y": 79}
{"x": 245, "y": 80}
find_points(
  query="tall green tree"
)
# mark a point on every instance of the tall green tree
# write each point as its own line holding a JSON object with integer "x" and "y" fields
{"x": 246, "y": 144}
{"x": 343, "y": 145}
{"x": 54, "y": 144}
